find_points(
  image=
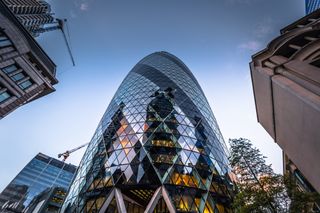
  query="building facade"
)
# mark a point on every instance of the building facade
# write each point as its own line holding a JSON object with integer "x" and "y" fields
{"x": 33, "y": 14}
{"x": 26, "y": 71}
{"x": 40, "y": 186}
{"x": 312, "y": 5}
{"x": 49, "y": 200}
{"x": 158, "y": 147}
{"x": 286, "y": 85}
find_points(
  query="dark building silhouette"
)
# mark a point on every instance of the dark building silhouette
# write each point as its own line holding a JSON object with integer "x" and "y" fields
{"x": 41, "y": 184}
{"x": 286, "y": 85}
{"x": 158, "y": 147}
{"x": 26, "y": 71}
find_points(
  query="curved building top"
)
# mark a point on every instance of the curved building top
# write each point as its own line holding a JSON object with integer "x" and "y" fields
{"x": 158, "y": 135}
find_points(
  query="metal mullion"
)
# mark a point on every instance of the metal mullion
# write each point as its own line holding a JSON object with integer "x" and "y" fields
{"x": 15, "y": 72}
{"x": 3, "y": 90}
{"x": 23, "y": 80}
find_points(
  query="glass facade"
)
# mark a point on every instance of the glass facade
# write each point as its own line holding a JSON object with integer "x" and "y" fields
{"x": 40, "y": 176}
{"x": 312, "y": 5}
{"x": 157, "y": 148}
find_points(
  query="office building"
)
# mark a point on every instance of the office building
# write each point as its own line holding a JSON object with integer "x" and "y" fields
{"x": 312, "y": 5}
{"x": 49, "y": 200}
{"x": 26, "y": 71}
{"x": 286, "y": 85}
{"x": 157, "y": 148}
{"x": 33, "y": 14}
{"x": 41, "y": 185}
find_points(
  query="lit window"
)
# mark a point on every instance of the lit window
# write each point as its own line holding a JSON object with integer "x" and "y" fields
{"x": 10, "y": 69}
{"x": 26, "y": 84}
{"x": 4, "y": 41}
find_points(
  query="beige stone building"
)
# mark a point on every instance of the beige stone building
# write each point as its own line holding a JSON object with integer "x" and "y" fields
{"x": 286, "y": 84}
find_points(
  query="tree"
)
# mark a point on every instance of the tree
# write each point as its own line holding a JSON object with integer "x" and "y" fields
{"x": 301, "y": 201}
{"x": 259, "y": 188}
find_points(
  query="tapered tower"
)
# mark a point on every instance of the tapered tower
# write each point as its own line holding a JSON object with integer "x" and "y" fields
{"x": 158, "y": 147}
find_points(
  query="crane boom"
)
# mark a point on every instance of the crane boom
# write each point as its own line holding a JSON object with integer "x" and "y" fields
{"x": 60, "y": 25}
{"x": 67, "y": 153}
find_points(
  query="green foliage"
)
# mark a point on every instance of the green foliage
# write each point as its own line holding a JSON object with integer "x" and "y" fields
{"x": 301, "y": 201}
{"x": 259, "y": 189}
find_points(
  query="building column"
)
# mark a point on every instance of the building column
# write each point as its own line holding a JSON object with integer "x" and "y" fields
{"x": 120, "y": 203}
{"x": 107, "y": 202}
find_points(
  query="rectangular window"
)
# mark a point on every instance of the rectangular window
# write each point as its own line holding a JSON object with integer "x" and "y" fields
{"x": 4, "y": 96}
{"x": 26, "y": 84}
{"x": 9, "y": 69}
{"x": 18, "y": 76}
{"x": 4, "y": 41}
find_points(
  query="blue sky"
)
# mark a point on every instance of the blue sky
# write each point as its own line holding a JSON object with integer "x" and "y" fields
{"x": 214, "y": 38}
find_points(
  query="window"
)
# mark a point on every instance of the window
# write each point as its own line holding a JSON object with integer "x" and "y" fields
{"x": 9, "y": 69}
{"x": 18, "y": 76}
{"x": 4, "y": 94}
{"x": 4, "y": 41}
{"x": 25, "y": 84}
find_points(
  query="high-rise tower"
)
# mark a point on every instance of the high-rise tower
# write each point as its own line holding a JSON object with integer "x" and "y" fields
{"x": 158, "y": 147}
{"x": 33, "y": 14}
{"x": 41, "y": 185}
{"x": 312, "y": 5}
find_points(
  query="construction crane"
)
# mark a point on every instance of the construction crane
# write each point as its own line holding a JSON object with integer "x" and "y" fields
{"x": 60, "y": 24}
{"x": 67, "y": 153}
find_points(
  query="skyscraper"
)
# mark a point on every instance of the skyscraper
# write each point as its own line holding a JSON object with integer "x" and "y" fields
{"x": 158, "y": 147}
{"x": 42, "y": 178}
{"x": 312, "y": 5}
{"x": 26, "y": 71}
{"x": 286, "y": 85}
{"x": 33, "y": 14}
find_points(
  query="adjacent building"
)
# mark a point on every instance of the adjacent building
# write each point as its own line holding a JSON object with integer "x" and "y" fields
{"x": 33, "y": 14}
{"x": 158, "y": 147}
{"x": 26, "y": 71}
{"x": 286, "y": 85}
{"x": 40, "y": 186}
{"x": 48, "y": 201}
{"x": 312, "y": 5}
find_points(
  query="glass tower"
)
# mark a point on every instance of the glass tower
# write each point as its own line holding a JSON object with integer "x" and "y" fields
{"x": 157, "y": 148}
{"x": 312, "y": 5}
{"x": 41, "y": 175}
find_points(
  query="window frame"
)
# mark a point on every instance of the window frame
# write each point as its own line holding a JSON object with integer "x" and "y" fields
{"x": 5, "y": 40}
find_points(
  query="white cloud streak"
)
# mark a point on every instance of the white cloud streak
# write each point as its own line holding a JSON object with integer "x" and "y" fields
{"x": 251, "y": 45}
{"x": 84, "y": 6}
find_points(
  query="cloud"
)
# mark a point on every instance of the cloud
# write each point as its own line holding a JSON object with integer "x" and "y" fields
{"x": 84, "y": 6}
{"x": 264, "y": 28}
{"x": 251, "y": 45}
{"x": 73, "y": 14}
{"x": 259, "y": 34}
